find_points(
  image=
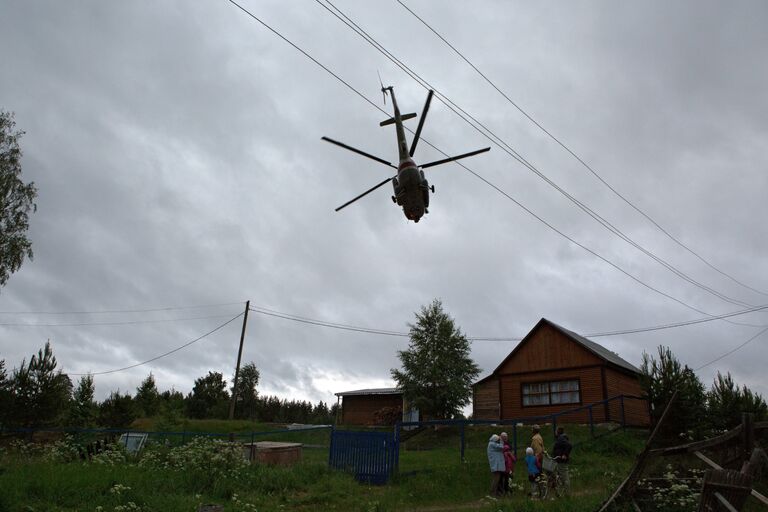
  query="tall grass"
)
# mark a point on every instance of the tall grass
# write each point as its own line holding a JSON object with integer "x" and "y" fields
{"x": 431, "y": 475}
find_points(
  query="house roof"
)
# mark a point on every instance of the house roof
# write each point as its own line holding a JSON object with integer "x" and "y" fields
{"x": 372, "y": 391}
{"x": 598, "y": 350}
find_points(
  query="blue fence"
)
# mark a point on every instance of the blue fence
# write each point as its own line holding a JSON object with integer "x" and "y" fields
{"x": 371, "y": 456}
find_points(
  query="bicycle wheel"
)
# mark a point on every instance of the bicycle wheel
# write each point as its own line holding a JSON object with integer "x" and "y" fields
{"x": 543, "y": 485}
{"x": 557, "y": 483}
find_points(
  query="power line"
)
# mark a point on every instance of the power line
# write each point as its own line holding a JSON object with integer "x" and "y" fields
{"x": 504, "y": 146}
{"x": 322, "y": 323}
{"x": 733, "y": 350}
{"x": 128, "y": 322}
{"x": 386, "y": 332}
{"x": 161, "y": 355}
{"x": 578, "y": 158}
{"x": 111, "y": 311}
{"x": 486, "y": 181}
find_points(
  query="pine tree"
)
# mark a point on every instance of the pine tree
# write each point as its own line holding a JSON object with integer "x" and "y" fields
{"x": 437, "y": 370}
{"x": 659, "y": 380}
{"x": 84, "y": 410}
{"x": 40, "y": 395}
{"x": 5, "y": 395}
{"x": 147, "y": 397}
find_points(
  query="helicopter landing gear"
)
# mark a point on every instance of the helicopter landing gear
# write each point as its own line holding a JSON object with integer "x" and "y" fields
{"x": 394, "y": 199}
{"x": 432, "y": 188}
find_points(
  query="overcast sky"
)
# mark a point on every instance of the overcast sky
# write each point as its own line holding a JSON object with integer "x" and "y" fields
{"x": 176, "y": 148}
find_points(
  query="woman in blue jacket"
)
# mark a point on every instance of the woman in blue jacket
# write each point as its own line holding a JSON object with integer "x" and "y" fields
{"x": 496, "y": 461}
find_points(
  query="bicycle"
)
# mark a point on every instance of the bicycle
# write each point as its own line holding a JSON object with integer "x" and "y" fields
{"x": 550, "y": 478}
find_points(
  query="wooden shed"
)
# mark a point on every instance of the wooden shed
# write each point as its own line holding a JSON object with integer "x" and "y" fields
{"x": 553, "y": 369}
{"x": 359, "y": 407}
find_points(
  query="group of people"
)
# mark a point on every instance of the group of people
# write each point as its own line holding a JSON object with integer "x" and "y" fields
{"x": 502, "y": 461}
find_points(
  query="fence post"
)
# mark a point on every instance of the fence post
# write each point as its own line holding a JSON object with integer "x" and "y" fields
{"x": 183, "y": 437}
{"x": 330, "y": 446}
{"x": 591, "y": 422}
{"x": 554, "y": 425}
{"x": 397, "y": 447}
{"x": 623, "y": 414}
{"x": 514, "y": 435}
{"x": 462, "y": 441}
{"x": 747, "y": 433}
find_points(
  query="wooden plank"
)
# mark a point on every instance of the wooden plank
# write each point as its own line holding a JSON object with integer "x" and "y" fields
{"x": 725, "y": 503}
{"x": 714, "y": 465}
{"x": 700, "y": 445}
{"x": 631, "y": 479}
{"x": 707, "y": 460}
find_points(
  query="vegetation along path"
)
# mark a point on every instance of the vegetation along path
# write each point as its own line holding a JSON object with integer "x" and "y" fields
{"x": 180, "y": 478}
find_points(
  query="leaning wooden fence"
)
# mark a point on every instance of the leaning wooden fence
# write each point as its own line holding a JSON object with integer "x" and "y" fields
{"x": 722, "y": 489}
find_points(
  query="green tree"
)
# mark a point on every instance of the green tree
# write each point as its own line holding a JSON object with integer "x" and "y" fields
{"x": 437, "y": 371}
{"x": 209, "y": 397}
{"x": 726, "y": 401}
{"x": 659, "y": 380}
{"x": 84, "y": 410}
{"x": 147, "y": 397}
{"x": 171, "y": 409}
{"x": 117, "y": 411}
{"x": 246, "y": 396}
{"x": 40, "y": 395}
{"x": 6, "y": 398}
{"x": 16, "y": 201}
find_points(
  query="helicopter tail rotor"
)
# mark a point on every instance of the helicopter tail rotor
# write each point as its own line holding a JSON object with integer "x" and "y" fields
{"x": 383, "y": 89}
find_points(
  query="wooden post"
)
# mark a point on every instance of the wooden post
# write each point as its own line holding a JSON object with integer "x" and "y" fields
{"x": 629, "y": 483}
{"x": 747, "y": 433}
{"x": 591, "y": 422}
{"x": 237, "y": 368}
{"x": 623, "y": 414}
{"x": 514, "y": 435}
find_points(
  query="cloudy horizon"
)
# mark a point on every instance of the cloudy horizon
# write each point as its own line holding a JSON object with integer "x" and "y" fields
{"x": 177, "y": 153}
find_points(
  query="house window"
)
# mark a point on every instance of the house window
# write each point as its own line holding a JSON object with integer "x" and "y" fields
{"x": 551, "y": 393}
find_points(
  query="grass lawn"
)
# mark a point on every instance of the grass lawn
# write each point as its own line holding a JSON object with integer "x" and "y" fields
{"x": 432, "y": 477}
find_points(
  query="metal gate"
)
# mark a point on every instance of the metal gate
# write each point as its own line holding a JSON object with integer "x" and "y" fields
{"x": 371, "y": 456}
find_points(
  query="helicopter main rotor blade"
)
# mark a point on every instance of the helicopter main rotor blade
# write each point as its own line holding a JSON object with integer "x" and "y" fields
{"x": 359, "y": 152}
{"x": 364, "y": 193}
{"x": 417, "y": 135}
{"x": 451, "y": 159}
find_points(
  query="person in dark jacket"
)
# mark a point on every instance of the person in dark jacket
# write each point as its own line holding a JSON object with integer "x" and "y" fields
{"x": 561, "y": 453}
{"x": 509, "y": 463}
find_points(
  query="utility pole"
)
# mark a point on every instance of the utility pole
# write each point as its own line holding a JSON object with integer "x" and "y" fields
{"x": 237, "y": 368}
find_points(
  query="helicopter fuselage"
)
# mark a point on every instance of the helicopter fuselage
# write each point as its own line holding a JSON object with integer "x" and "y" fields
{"x": 411, "y": 186}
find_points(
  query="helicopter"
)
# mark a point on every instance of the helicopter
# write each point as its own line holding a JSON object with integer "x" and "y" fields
{"x": 410, "y": 184}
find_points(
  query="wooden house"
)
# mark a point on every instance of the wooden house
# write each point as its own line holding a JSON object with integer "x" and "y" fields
{"x": 553, "y": 369}
{"x": 359, "y": 407}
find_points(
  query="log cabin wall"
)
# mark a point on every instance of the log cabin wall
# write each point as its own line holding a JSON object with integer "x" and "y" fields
{"x": 360, "y": 409}
{"x": 590, "y": 391}
{"x": 635, "y": 411}
{"x": 485, "y": 400}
